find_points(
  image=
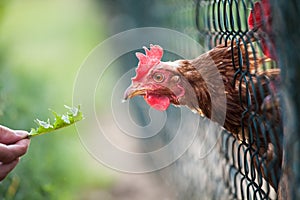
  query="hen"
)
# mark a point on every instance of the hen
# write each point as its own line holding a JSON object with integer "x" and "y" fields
{"x": 251, "y": 109}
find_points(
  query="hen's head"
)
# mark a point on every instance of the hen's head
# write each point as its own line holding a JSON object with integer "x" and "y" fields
{"x": 158, "y": 82}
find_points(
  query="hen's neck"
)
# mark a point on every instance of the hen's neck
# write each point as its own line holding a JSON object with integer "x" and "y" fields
{"x": 195, "y": 81}
{"x": 207, "y": 74}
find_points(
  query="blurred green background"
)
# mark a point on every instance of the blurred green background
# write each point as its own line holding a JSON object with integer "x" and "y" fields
{"x": 42, "y": 44}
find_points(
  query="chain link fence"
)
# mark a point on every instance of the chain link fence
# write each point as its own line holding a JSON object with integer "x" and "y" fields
{"x": 250, "y": 162}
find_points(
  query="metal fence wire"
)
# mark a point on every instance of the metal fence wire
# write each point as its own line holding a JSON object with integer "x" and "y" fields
{"x": 252, "y": 159}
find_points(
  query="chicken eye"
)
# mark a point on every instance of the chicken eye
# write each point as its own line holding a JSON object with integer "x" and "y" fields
{"x": 158, "y": 77}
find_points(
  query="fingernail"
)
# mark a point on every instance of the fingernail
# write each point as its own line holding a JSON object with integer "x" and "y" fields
{"x": 22, "y": 133}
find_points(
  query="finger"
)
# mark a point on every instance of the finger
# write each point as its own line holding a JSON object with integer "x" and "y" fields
{"x": 8, "y": 153}
{"x": 8, "y": 136}
{"x": 21, "y": 133}
{"x": 6, "y": 168}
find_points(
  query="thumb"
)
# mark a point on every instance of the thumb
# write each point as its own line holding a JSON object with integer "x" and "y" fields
{"x": 9, "y": 136}
{"x": 21, "y": 133}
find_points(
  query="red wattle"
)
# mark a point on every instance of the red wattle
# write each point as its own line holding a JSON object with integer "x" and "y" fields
{"x": 158, "y": 102}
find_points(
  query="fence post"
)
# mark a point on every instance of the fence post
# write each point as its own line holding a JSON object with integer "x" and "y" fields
{"x": 287, "y": 36}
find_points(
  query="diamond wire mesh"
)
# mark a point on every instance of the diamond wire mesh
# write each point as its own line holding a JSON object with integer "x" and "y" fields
{"x": 214, "y": 22}
{"x": 225, "y": 22}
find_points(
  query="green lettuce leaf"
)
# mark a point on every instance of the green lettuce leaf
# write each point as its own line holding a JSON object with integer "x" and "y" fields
{"x": 72, "y": 116}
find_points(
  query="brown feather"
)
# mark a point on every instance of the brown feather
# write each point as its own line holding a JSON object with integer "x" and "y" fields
{"x": 246, "y": 88}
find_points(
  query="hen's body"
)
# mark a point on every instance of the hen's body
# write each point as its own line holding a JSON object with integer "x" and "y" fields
{"x": 252, "y": 108}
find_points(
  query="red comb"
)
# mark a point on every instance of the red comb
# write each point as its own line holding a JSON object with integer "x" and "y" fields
{"x": 148, "y": 60}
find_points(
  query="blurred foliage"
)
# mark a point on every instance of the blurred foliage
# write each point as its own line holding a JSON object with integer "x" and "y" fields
{"x": 42, "y": 44}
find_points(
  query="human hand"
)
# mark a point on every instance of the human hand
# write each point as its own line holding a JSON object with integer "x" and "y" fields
{"x": 13, "y": 144}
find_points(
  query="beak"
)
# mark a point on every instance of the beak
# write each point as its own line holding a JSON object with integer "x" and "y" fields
{"x": 133, "y": 91}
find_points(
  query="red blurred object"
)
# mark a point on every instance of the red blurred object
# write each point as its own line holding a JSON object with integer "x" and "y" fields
{"x": 260, "y": 20}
